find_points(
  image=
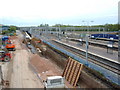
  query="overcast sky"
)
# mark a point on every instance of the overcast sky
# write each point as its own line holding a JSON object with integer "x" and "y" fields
{"x": 73, "y": 12}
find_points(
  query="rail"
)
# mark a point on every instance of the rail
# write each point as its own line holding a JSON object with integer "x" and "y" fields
{"x": 107, "y": 73}
{"x": 94, "y": 56}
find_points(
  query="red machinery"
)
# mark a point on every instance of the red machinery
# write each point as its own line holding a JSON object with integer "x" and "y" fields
{"x": 5, "y": 56}
{"x": 9, "y": 46}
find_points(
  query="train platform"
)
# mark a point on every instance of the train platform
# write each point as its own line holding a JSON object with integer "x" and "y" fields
{"x": 111, "y": 55}
{"x": 102, "y": 43}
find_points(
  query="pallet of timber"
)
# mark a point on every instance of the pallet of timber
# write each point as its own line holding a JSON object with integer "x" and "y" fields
{"x": 72, "y": 71}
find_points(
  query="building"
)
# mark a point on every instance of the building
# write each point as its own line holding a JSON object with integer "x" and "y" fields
{"x": 0, "y": 28}
{"x": 3, "y": 27}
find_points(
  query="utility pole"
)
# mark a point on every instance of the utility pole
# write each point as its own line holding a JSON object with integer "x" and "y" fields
{"x": 87, "y": 42}
{"x": 103, "y": 32}
{"x": 119, "y": 31}
{"x": 119, "y": 47}
{"x": 119, "y": 36}
{"x": 87, "y": 46}
{"x": 56, "y": 31}
{"x": 83, "y": 24}
{"x": 59, "y": 33}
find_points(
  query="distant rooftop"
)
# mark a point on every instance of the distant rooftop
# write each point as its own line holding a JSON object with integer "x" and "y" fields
{"x": 1, "y": 25}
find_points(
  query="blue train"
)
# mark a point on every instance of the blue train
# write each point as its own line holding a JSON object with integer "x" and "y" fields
{"x": 108, "y": 36}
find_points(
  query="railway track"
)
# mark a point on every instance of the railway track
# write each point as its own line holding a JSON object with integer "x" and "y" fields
{"x": 94, "y": 58}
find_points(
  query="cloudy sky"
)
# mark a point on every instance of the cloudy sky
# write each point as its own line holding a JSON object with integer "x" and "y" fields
{"x": 73, "y": 12}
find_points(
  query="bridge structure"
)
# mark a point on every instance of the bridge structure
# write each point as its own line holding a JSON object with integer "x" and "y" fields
{"x": 48, "y": 28}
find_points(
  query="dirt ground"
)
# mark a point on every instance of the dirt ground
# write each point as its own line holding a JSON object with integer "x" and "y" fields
{"x": 21, "y": 75}
{"x": 18, "y": 71}
{"x": 45, "y": 67}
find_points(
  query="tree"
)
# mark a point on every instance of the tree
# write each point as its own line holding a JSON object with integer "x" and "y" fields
{"x": 43, "y": 25}
{"x": 5, "y": 32}
{"x": 12, "y": 28}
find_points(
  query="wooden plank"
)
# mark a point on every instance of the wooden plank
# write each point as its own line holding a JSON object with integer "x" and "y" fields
{"x": 67, "y": 76}
{"x": 75, "y": 73}
{"x": 78, "y": 75}
{"x": 66, "y": 67}
{"x": 74, "y": 67}
{"x": 78, "y": 67}
{"x": 72, "y": 80}
{"x": 72, "y": 72}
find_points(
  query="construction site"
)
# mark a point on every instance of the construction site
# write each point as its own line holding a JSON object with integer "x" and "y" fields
{"x": 30, "y": 62}
{"x": 60, "y": 44}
